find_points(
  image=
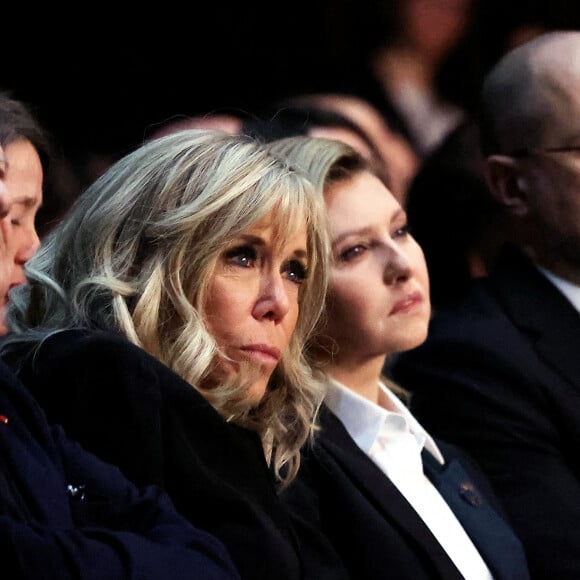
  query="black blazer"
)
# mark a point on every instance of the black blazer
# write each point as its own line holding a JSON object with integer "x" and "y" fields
{"x": 500, "y": 376}
{"x": 375, "y": 531}
{"x": 64, "y": 514}
{"x": 131, "y": 410}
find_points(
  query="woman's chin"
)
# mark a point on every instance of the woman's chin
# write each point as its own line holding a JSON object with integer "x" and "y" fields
{"x": 256, "y": 391}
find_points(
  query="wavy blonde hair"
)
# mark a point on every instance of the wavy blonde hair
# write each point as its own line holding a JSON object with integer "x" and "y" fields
{"x": 136, "y": 252}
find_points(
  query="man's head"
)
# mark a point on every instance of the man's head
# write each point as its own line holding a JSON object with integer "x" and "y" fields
{"x": 530, "y": 106}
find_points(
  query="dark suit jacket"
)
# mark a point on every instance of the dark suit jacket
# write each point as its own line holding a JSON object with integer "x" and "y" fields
{"x": 375, "y": 531}
{"x": 128, "y": 408}
{"x": 64, "y": 514}
{"x": 500, "y": 376}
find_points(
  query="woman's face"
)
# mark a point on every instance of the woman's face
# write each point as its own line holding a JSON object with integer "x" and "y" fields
{"x": 252, "y": 301}
{"x": 378, "y": 300}
{"x": 23, "y": 181}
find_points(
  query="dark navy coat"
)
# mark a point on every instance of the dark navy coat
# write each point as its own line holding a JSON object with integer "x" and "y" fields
{"x": 64, "y": 514}
{"x": 131, "y": 410}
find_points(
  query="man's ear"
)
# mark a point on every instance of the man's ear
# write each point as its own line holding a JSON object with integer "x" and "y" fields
{"x": 507, "y": 183}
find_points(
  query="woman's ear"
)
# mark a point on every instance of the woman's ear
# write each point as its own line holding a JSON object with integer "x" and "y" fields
{"x": 507, "y": 183}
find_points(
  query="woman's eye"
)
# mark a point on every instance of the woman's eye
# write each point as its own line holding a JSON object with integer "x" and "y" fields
{"x": 351, "y": 253}
{"x": 17, "y": 216}
{"x": 402, "y": 231}
{"x": 244, "y": 256}
{"x": 296, "y": 271}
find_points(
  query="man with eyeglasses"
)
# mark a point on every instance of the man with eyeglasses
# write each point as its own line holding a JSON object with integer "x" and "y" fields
{"x": 499, "y": 374}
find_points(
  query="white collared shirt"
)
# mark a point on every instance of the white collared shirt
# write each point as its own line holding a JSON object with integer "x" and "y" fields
{"x": 394, "y": 441}
{"x": 569, "y": 290}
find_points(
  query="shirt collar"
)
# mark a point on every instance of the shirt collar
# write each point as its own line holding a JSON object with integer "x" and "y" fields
{"x": 364, "y": 420}
{"x": 569, "y": 290}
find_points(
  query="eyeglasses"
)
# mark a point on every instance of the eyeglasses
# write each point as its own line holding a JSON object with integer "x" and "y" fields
{"x": 530, "y": 151}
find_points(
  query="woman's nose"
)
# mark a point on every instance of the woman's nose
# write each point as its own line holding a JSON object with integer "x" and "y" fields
{"x": 397, "y": 267}
{"x": 273, "y": 302}
{"x": 29, "y": 246}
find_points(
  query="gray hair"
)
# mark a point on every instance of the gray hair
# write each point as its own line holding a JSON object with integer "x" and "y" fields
{"x": 136, "y": 252}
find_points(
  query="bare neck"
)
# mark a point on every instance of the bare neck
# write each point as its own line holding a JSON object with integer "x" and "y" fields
{"x": 362, "y": 377}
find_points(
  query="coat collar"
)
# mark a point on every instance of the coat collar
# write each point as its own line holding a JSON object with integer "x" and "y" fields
{"x": 500, "y": 549}
{"x": 539, "y": 310}
{"x": 371, "y": 481}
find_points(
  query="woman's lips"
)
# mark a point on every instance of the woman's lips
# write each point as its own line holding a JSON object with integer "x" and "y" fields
{"x": 262, "y": 353}
{"x": 407, "y": 304}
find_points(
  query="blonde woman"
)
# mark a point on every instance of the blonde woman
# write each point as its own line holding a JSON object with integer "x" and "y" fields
{"x": 164, "y": 325}
{"x": 394, "y": 502}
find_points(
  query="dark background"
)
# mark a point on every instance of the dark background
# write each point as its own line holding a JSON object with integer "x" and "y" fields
{"x": 99, "y": 82}
{"x": 100, "y": 77}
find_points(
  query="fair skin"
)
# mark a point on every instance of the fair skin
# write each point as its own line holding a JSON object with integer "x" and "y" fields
{"x": 23, "y": 179}
{"x": 253, "y": 301}
{"x": 378, "y": 301}
{"x": 4, "y": 208}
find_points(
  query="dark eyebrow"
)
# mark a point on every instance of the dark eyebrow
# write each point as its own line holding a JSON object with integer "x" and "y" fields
{"x": 301, "y": 254}
{"x": 250, "y": 239}
{"x": 27, "y": 201}
{"x": 258, "y": 241}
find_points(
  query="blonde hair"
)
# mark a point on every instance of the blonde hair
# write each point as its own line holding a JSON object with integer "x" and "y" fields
{"x": 136, "y": 252}
{"x": 328, "y": 162}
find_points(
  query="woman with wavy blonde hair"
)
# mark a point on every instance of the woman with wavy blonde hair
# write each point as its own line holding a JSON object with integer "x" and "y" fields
{"x": 196, "y": 265}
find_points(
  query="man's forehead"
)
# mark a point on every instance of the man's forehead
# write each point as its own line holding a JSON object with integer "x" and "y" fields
{"x": 558, "y": 107}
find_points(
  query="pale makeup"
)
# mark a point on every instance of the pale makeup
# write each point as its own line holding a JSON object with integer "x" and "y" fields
{"x": 252, "y": 303}
{"x": 378, "y": 300}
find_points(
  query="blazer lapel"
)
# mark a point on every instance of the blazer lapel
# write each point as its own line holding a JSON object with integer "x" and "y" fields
{"x": 381, "y": 492}
{"x": 537, "y": 308}
{"x": 494, "y": 539}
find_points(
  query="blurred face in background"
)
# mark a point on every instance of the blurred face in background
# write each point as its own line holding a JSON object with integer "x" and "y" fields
{"x": 434, "y": 26}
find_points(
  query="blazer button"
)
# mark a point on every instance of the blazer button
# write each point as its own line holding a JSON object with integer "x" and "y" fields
{"x": 469, "y": 493}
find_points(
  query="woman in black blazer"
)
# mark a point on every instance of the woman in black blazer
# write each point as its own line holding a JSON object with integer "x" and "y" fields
{"x": 393, "y": 502}
{"x": 164, "y": 324}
